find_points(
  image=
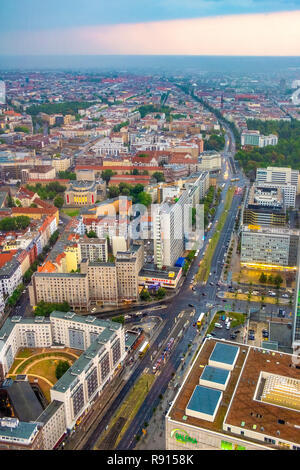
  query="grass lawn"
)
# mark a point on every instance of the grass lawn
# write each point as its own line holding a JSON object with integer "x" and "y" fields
{"x": 25, "y": 352}
{"x": 71, "y": 212}
{"x": 14, "y": 365}
{"x": 212, "y": 324}
{"x": 204, "y": 269}
{"x": 43, "y": 357}
{"x": 130, "y": 406}
{"x": 237, "y": 319}
{"x": 45, "y": 368}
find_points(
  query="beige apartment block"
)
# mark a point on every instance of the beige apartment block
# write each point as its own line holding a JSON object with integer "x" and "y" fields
{"x": 60, "y": 287}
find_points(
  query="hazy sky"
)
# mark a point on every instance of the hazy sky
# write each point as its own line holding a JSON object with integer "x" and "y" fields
{"x": 217, "y": 27}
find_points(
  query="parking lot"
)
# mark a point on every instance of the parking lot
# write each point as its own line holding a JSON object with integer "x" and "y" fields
{"x": 237, "y": 333}
{"x": 257, "y": 328}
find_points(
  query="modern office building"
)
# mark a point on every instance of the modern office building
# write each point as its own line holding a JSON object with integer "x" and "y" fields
{"x": 264, "y": 206}
{"x": 254, "y": 139}
{"x": 289, "y": 192}
{"x": 296, "y": 328}
{"x": 172, "y": 221}
{"x": 269, "y": 246}
{"x": 236, "y": 397}
{"x": 278, "y": 175}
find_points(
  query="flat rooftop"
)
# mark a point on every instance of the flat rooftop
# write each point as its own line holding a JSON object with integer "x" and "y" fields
{"x": 215, "y": 375}
{"x": 239, "y": 406}
{"x": 204, "y": 400}
{"x": 224, "y": 353}
{"x": 24, "y": 401}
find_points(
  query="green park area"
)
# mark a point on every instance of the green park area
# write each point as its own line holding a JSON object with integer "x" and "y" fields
{"x": 205, "y": 264}
{"x": 125, "y": 413}
{"x": 237, "y": 319}
{"x": 71, "y": 212}
{"x": 40, "y": 365}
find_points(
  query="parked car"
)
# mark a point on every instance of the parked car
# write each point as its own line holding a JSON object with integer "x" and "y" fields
{"x": 218, "y": 325}
{"x": 251, "y": 337}
{"x": 233, "y": 336}
{"x": 191, "y": 305}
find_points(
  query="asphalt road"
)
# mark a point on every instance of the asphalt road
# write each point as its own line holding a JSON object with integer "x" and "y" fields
{"x": 171, "y": 327}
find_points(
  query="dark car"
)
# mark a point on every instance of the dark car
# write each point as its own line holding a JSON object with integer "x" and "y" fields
{"x": 191, "y": 305}
{"x": 251, "y": 332}
{"x": 237, "y": 332}
{"x": 251, "y": 337}
{"x": 203, "y": 293}
{"x": 233, "y": 336}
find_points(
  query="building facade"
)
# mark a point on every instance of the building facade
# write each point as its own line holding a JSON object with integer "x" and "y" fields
{"x": 269, "y": 246}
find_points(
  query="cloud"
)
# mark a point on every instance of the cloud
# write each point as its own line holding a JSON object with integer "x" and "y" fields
{"x": 276, "y": 34}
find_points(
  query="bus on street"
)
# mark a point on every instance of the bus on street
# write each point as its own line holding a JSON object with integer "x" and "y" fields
{"x": 143, "y": 348}
{"x": 200, "y": 319}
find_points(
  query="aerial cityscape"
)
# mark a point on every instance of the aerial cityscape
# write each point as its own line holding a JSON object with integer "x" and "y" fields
{"x": 150, "y": 227}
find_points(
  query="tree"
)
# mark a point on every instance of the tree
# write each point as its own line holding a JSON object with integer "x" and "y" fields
{"x": 22, "y": 129}
{"x": 45, "y": 308}
{"x": 106, "y": 175}
{"x": 20, "y": 222}
{"x": 113, "y": 191}
{"x": 263, "y": 278}
{"x": 119, "y": 319}
{"x": 161, "y": 292}
{"x": 59, "y": 202}
{"x": 159, "y": 176}
{"x": 61, "y": 369}
{"x": 270, "y": 279}
{"x": 91, "y": 234}
{"x": 54, "y": 237}
{"x": 144, "y": 198}
{"x": 278, "y": 280}
{"x": 67, "y": 175}
{"x": 145, "y": 295}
